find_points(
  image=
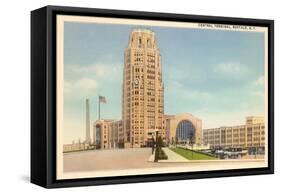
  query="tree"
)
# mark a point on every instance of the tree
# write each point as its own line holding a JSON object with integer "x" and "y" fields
{"x": 191, "y": 142}
{"x": 159, "y": 144}
{"x": 173, "y": 141}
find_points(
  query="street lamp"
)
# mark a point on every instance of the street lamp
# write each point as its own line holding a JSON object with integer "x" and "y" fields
{"x": 157, "y": 146}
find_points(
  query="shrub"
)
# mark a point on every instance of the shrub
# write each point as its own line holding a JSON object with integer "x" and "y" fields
{"x": 162, "y": 155}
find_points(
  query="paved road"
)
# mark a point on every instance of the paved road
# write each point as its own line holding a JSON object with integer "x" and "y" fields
{"x": 107, "y": 159}
{"x": 135, "y": 158}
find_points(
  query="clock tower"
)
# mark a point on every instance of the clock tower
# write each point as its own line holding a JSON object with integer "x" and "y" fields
{"x": 143, "y": 91}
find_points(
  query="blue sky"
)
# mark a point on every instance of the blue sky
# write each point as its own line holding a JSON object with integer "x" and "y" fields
{"x": 215, "y": 75}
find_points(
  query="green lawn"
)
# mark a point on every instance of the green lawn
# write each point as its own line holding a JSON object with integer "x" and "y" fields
{"x": 191, "y": 155}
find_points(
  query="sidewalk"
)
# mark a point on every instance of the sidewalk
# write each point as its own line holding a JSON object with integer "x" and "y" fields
{"x": 172, "y": 157}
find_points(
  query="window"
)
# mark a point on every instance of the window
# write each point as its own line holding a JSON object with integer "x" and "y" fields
{"x": 148, "y": 43}
{"x": 139, "y": 43}
{"x": 185, "y": 130}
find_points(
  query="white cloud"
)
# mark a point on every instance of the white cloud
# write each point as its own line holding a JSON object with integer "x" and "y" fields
{"x": 83, "y": 85}
{"x": 232, "y": 68}
{"x": 260, "y": 81}
{"x": 86, "y": 83}
{"x": 258, "y": 87}
{"x": 99, "y": 70}
{"x": 258, "y": 93}
{"x": 178, "y": 89}
{"x": 186, "y": 72}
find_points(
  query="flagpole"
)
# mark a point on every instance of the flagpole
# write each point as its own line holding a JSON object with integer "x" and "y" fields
{"x": 99, "y": 107}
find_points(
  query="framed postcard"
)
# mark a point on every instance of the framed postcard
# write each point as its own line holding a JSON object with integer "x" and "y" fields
{"x": 126, "y": 96}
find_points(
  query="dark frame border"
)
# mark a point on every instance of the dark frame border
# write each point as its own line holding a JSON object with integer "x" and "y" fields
{"x": 43, "y": 96}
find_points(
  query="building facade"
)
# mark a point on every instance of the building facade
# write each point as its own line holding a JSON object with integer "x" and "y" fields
{"x": 183, "y": 128}
{"x": 143, "y": 91}
{"x": 117, "y": 137}
{"x": 108, "y": 134}
{"x": 143, "y": 103}
{"x": 250, "y": 135}
{"x": 74, "y": 147}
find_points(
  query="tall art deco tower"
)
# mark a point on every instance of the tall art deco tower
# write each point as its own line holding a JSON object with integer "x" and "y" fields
{"x": 143, "y": 91}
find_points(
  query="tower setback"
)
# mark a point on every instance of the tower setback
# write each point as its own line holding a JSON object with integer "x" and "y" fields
{"x": 143, "y": 91}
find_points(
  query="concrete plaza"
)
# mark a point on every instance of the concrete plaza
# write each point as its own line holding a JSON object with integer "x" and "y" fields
{"x": 138, "y": 158}
{"x": 112, "y": 159}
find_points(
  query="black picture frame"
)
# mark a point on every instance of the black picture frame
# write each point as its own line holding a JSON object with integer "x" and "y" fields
{"x": 43, "y": 96}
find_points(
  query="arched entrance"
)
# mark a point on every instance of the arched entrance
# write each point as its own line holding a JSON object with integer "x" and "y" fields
{"x": 185, "y": 132}
{"x": 184, "y": 126}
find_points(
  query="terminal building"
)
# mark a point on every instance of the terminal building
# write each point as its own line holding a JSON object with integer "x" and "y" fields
{"x": 143, "y": 102}
{"x": 143, "y": 90}
{"x": 180, "y": 128}
{"x": 251, "y": 135}
{"x": 143, "y": 110}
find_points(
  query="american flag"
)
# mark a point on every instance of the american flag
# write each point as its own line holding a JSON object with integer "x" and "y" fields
{"x": 102, "y": 99}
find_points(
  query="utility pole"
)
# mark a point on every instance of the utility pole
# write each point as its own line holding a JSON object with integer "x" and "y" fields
{"x": 87, "y": 139}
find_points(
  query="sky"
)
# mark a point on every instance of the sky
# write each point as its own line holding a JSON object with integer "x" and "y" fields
{"x": 216, "y": 75}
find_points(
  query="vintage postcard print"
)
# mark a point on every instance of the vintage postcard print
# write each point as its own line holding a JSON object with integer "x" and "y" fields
{"x": 149, "y": 97}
